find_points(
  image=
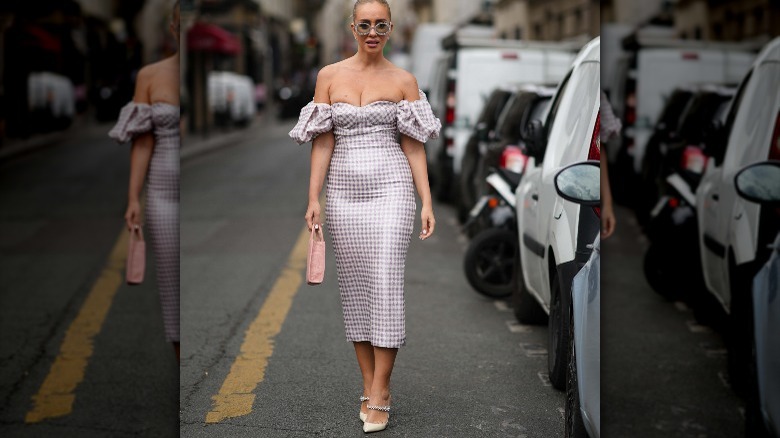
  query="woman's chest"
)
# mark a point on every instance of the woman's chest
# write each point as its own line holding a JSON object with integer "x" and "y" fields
{"x": 361, "y": 90}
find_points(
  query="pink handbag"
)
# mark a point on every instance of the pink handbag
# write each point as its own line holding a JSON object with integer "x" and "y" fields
{"x": 136, "y": 257}
{"x": 315, "y": 262}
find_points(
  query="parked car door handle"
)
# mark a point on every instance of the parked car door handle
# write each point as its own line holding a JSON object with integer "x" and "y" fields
{"x": 535, "y": 197}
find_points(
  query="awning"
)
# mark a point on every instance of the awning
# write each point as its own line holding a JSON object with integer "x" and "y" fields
{"x": 211, "y": 38}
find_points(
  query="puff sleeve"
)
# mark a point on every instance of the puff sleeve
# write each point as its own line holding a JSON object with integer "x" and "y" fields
{"x": 315, "y": 119}
{"x": 134, "y": 119}
{"x": 416, "y": 119}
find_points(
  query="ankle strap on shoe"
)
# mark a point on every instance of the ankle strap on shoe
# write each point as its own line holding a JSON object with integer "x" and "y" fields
{"x": 379, "y": 408}
{"x": 364, "y": 398}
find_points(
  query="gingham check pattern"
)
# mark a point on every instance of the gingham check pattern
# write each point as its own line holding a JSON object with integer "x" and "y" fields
{"x": 162, "y": 197}
{"x": 370, "y": 207}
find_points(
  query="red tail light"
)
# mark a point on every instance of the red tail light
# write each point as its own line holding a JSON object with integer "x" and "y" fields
{"x": 512, "y": 158}
{"x": 693, "y": 160}
{"x": 690, "y": 56}
{"x": 450, "y": 115}
{"x": 774, "y": 146}
{"x": 594, "y": 152}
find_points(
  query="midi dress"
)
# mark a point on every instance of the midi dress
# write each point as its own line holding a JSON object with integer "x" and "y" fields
{"x": 370, "y": 207}
{"x": 162, "y": 196}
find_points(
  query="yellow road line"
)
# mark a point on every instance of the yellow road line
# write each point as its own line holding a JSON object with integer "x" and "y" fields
{"x": 56, "y": 394}
{"x": 235, "y": 397}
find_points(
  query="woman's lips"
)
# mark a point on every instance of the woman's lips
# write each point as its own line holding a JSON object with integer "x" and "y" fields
{"x": 372, "y": 43}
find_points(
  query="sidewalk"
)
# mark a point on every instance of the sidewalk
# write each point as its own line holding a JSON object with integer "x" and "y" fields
{"x": 193, "y": 144}
{"x": 14, "y": 147}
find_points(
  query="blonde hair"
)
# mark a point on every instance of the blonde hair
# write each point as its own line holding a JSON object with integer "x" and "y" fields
{"x": 363, "y": 2}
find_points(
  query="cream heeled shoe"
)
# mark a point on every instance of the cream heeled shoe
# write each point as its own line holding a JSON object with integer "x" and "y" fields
{"x": 376, "y": 427}
{"x": 362, "y": 415}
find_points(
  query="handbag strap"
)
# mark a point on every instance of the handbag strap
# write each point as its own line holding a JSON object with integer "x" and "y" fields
{"x": 138, "y": 231}
{"x": 314, "y": 230}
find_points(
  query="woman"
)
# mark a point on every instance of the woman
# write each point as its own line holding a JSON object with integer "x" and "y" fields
{"x": 151, "y": 121}
{"x": 360, "y": 105}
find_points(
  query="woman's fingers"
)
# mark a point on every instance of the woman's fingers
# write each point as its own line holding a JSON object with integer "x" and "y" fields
{"x": 428, "y": 224}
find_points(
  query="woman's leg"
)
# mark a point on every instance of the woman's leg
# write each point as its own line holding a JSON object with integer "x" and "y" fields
{"x": 365, "y": 357}
{"x": 384, "y": 358}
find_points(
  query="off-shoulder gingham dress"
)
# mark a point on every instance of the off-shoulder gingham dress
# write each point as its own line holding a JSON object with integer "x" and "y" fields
{"x": 370, "y": 207}
{"x": 162, "y": 196}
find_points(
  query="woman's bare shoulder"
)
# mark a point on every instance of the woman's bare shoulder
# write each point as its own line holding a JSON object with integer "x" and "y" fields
{"x": 407, "y": 83}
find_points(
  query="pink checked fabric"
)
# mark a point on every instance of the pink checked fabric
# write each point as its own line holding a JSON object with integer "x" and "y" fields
{"x": 162, "y": 196}
{"x": 370, "y": 207}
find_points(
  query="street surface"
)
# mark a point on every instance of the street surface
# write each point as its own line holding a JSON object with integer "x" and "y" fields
{"x": 61, "y": 242}
{"x": 265, "y": 355}
{"x": 662, "y": 373}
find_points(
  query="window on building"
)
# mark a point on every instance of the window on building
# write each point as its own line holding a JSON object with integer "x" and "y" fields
{"x": 538, "y": 31}
{"x": 561, "y": 27}
{"x": 758, "y": 20}
{"x": 578, "y": 21}
{"x": 697, "y": 33}
{"x": 518, "y": 33}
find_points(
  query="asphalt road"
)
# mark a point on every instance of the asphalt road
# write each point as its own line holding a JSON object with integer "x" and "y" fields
{"x": 467, "y": 369}
{"x": 61, "y": 218}
{"x": 662, "y": 373}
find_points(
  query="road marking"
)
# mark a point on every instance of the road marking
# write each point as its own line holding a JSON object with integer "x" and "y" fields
{"x": 713, "y": 350}
{"x": 57, "y": 392}
{"x": 516, "y": 327}
{"x": 236, "y": 396}
{"x": 545, "y": 378}
{"x": 501, "y": 306}
{"x": 534, "y": 350}
{"x": 695, "y": 327}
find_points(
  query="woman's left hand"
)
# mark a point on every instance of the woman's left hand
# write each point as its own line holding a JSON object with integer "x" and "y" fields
{"x": 428, "y": 223}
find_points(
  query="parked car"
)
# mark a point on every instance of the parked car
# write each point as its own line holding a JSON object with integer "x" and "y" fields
{"x": 580, "y": 183}
{"x": 760, "y": 183}
{"x": 231, "y": 98}
{"x": 426, "y": 49}
{"x": 647, "y": 73}
{"x": 484, "y": 130}
{"x": 488, "y": 142}
{"x": 470, "y": 69}
{"x": 555, "y": 235}
{"x": 51, "y": 99}
{"x": 734, "y": 234}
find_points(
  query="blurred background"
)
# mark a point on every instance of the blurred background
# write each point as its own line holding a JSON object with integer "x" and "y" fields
{"x": 81, "y": 353}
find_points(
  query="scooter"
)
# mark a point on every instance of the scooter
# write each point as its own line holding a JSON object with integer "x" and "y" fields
{"x": 672, "y": 263}
{"x": 489, "y": 260}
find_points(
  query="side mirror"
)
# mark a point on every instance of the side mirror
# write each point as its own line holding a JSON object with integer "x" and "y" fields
{"x": 580, "y": 183}
{"x": 759, "y": 182}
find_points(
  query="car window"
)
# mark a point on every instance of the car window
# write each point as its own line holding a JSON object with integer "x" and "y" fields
{"x": 554, "y": 107}
{"x": 749, "y": 140}
{"x": 513, "y": 117}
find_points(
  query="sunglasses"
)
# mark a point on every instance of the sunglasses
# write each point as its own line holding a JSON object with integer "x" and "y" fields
{"x": 381, "y": 28}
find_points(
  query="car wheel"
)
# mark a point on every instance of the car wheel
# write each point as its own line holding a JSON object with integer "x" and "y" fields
{"x": 558, "y": 332}
{"x": 575, "y": 428}
{"x": 489, "y": 262}
{"x": 527, "y": 309}
{"x": 754, "y": 421}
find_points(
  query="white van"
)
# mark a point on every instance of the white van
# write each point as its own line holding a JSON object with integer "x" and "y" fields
{"x": 426, "y": 49}
{"x": 653, "y": 67}
{"x": 473, "y": 67}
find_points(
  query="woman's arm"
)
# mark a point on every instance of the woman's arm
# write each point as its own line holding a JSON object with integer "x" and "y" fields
{"x": 140, "y": 156}
{"x": 415, "y": 153}
{"x": 321, "y": 151}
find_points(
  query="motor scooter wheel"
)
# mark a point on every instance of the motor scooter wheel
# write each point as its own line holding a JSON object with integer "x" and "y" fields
{"x": 489, "y": 262}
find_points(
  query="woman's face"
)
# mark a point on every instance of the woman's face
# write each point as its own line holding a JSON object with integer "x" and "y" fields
{"x": 373, "y": 14}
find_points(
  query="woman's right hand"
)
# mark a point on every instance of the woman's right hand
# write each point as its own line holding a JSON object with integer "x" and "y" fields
{"x": 133, "y": 215}
{"x": 312, "y": 214}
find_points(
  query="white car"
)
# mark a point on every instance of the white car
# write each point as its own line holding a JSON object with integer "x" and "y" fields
{"x": 760, "y": 183}
{"x": 733, "y": 232}
{"x": 580, "y": 183}
{"x": 554, "y": 234}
